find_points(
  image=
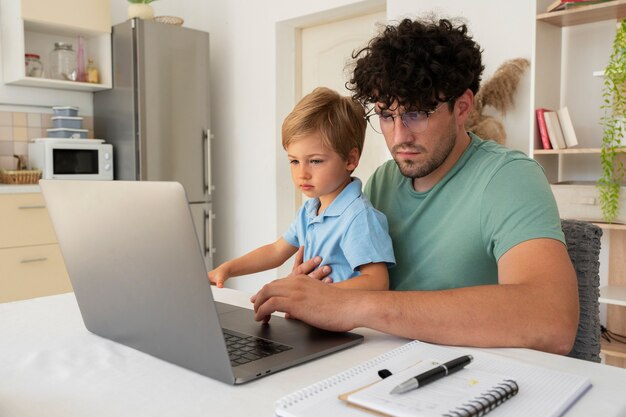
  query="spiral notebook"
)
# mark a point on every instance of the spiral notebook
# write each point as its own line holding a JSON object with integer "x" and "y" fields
{"x": 467, "y": 393}
{"x": 542, "y": 391}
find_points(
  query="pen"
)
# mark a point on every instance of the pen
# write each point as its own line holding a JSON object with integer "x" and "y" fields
{"x": 434, "y": 374}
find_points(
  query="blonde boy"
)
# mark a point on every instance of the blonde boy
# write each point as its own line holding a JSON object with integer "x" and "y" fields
{"x": 323, "y": 137}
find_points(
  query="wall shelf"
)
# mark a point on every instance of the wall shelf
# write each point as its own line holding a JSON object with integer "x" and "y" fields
{"x": 610, "y": 226}
{"x": 613, "y": 349}
{"x": 585, "y": 14}
{"x": 613, "y": 294}
{"x": 21, "y": 35}
{"x": 59, "y": 84}
{"x": 571, "y": 151}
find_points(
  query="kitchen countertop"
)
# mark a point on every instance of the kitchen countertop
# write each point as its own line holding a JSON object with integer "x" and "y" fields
{"x": 19, "y": 188}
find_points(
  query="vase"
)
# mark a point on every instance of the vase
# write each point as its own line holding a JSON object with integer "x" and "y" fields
{"x": 141, "y": 10}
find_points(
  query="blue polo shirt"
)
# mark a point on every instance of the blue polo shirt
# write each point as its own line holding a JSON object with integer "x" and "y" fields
{"x": 348, "y": 234}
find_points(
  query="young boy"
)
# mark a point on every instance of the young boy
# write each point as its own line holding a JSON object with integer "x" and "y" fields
{"x": 323, "y": 137}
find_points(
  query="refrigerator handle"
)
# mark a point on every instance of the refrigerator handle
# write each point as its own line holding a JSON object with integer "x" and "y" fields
{"x": 207, "y": 180}
{"x": 204, "y": 233}
{"x": 208, "y": 226}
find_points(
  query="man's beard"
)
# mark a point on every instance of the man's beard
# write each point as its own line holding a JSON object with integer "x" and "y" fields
{"x": 412, "y": 169}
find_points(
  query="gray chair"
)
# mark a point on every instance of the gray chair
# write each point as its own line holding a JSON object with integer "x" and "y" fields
{"x": 583, "y": 246}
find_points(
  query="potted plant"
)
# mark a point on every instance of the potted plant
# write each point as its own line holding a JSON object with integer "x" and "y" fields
{"x": 614, "y": 125}
{"x": 141, "y": 9}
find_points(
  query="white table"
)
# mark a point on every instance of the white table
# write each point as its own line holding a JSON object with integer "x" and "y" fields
{"x": 50, "y": 365}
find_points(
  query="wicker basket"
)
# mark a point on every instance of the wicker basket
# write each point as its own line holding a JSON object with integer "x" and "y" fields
{"x": 23, "y": 176}
{"x": 169, "y": 20}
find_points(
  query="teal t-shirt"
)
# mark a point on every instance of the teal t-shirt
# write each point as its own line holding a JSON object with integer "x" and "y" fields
{"x": 453, "y": 235}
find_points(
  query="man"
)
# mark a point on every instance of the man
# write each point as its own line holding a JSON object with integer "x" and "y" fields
{"x": 481, "y": 259}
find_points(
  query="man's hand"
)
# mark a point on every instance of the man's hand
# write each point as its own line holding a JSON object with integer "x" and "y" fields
{"x": 308, "y": 267}
{"x": 299, "y": 296}
{"x": 302, "y": 268}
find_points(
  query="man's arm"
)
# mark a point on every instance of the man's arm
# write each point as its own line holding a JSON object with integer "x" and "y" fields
{"x": 534, "y": 306}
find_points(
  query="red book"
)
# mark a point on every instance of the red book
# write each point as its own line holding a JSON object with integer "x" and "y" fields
{"x": 543, "y": 131}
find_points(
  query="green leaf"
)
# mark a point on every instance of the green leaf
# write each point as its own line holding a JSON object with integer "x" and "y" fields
{"x": 614, "y": 107}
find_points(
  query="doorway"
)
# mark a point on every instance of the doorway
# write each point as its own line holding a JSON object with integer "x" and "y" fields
{"x": 325, "y": 59}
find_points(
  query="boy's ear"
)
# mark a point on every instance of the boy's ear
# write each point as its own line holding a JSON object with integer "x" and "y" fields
{"x": 352, "y": 161}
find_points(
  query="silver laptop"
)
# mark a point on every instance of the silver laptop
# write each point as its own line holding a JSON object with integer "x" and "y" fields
{"x": 139, "y": 278}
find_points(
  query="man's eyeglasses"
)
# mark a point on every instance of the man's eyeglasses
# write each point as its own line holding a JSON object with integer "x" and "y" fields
{"x": 415, "y": 121}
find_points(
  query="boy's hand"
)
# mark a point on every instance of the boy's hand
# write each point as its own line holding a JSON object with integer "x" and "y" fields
{"x": 218, "y": 276}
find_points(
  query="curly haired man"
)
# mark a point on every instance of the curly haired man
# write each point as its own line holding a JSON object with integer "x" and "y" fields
{"x": 480, "y": 255}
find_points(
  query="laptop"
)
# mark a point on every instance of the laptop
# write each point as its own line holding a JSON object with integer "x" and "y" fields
{"x": 139, "y": 278}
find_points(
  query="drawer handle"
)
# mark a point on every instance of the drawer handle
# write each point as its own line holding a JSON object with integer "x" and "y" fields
{"x": 30, "y": 261}
{"x": 31, "y": 207}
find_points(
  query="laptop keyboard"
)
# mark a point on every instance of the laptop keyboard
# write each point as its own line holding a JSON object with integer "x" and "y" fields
{"x": 243, "y": 348}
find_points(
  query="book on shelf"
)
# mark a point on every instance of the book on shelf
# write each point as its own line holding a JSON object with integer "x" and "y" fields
{"x": 554, "y": 130}
{"x": 541, "y": 126}
{"x": 557, "y": 5}
{"x": 575, "y": 5}
{"x": 569, "y": 134}
{"x": 364, "y": 389}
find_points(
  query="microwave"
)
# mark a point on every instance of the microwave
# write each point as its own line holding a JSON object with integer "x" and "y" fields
{"x": 80, "y": 159}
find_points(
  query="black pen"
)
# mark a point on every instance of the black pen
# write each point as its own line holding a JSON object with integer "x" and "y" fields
{"x": 433, "y": 374}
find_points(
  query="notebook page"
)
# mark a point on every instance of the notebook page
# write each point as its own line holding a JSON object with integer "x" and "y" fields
{"x": 321, "y": 399}
{"x": 543, "y": 392}
{"x": 432, "y": 400}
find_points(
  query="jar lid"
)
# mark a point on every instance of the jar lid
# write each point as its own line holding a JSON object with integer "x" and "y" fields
{"x": 63, "y": 45}
{"x": 31, "y": 56}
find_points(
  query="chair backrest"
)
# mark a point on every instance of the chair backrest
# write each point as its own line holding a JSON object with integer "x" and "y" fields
{"x": 583, "y": 246}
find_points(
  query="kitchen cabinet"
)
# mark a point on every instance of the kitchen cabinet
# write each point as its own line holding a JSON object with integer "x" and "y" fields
{"x": 31, "y": 264}
{"x": 33, "y": 26}
{"x": 89, "y": 15}
{"x": 571, "y": 47}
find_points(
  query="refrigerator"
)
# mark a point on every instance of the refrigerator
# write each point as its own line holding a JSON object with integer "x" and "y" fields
{"x": 157, "y": 115}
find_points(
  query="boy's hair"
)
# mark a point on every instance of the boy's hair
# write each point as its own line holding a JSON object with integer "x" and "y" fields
{"x": 338, "y": 119}
{"x": 417, "y": 64}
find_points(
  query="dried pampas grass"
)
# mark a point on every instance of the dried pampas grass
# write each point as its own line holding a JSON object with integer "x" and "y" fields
{"x": 497, "y": 92}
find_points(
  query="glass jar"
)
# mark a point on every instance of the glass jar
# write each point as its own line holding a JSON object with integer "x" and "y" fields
{"x": 63, "y": 62}
{"x": 34, "y": 67}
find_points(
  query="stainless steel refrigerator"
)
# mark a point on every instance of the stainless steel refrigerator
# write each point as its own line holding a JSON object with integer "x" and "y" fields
{"x": 157, "y": 114}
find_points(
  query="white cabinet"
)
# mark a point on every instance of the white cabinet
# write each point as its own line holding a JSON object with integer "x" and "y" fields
{"x": 31, "y": 264}
{"x": 33, "y": 26}
{"x": 88, "y": 15}
{"x": 570, "y": 48}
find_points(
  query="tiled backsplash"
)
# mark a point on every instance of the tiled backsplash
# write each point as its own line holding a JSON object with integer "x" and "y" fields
{"x": 17, "y": 128}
